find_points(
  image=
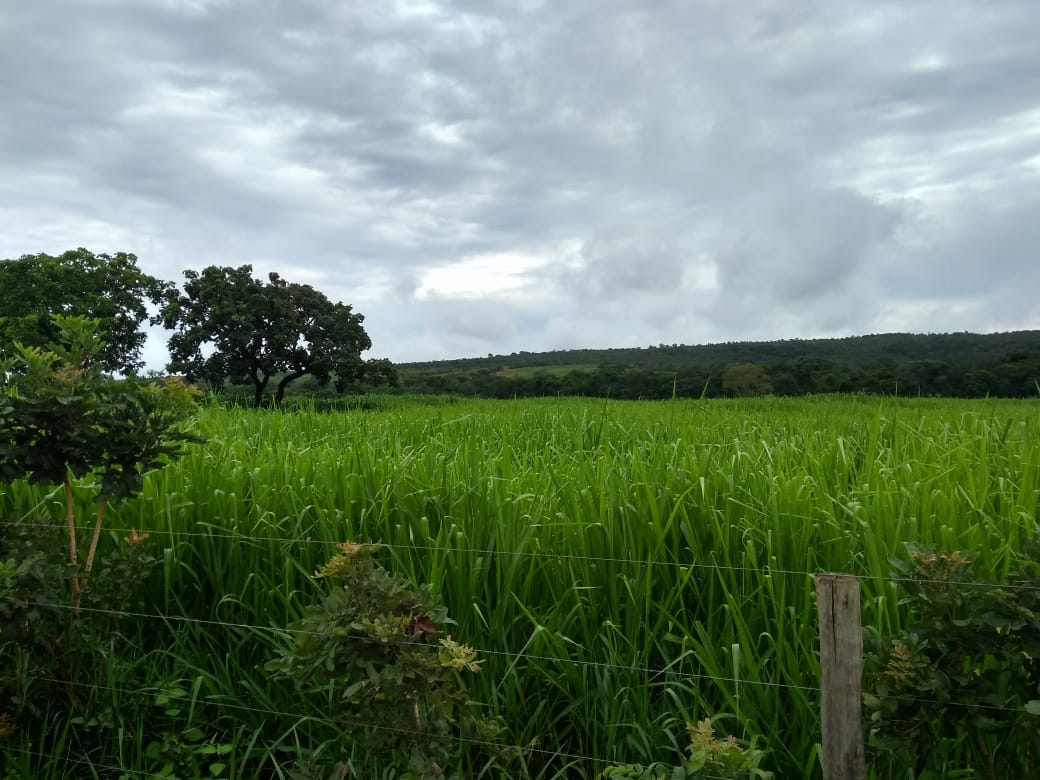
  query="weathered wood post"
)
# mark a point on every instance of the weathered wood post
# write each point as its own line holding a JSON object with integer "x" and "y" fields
{"x": 841, "y": 671}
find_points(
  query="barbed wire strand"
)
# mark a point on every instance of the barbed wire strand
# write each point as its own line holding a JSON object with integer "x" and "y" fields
{"x": 905, "y": 699}
{"x": 762, "y": 570}
{"x": 66, "y": 759}
{"x": 665, "y": 672}
{"x": 551, "y": 754}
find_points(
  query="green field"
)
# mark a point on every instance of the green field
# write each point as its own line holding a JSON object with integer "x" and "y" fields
{"x": 625, "y": 567}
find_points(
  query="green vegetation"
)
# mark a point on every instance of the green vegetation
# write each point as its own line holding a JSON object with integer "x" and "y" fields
{"x": 228, "y": 326}
{"x": 110, "y": 288}
{"x": 231, "y": 326}
{"x": 62, "y": 418}
{"x": 964, "y": 365}
{"x": 622, "y": 569}
{"x": 964, "y": 677}
{"x": 708, "y": 758}
{"x": 374, "y": 660}
{"x": 233, "y": 331}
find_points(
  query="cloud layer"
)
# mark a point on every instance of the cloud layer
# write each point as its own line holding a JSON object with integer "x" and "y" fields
{"x": 481, "y": 176}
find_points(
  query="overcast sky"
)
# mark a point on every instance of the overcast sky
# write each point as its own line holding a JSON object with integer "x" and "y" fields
{"x": 501, "y": 175}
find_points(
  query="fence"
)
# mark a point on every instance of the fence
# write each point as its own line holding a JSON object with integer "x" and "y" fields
{"x": 841, "y": 667}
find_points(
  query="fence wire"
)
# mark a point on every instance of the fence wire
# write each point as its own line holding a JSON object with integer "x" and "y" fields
{"x": 498, "y": 746}
{"x": 650, "y": 672}
{"x": 765, "y": 570}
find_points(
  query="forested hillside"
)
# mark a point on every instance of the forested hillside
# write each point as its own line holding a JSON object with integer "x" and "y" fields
{"x": 956, "y": 364}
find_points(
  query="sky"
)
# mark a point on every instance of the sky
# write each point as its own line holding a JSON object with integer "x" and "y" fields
{"x": 492, "y": 176}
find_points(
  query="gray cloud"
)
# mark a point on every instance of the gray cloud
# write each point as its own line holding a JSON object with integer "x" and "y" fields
{"x": 672, "y": 172}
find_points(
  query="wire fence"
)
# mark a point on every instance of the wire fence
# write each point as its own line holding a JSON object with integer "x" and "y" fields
{"x": 345, "y": 720}
{"x": 340, "y": 719}
{"x": 652, "y": 673}
{"x": 290, "y": 630}
{"x": 488, "y": 552}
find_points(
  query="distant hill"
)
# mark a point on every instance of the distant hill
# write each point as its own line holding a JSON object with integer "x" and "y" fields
{"x": 960, "y": 364}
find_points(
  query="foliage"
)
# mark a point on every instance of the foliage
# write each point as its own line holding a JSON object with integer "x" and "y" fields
{"x": 48, "y": 656}
{"x": 743, "y": 379}
{"x": 183, "y": 750}
{"x": 621, "y": 567}
{"x": 708, "y": 757}
{"x": 232, "y": 326}
{"x": 954, "y": 365}
{"x": 377, "y": 652}
{"x": 959, "y": 687}
{"x": 50, "y": 661}
{"x": 109, "y": 288}
{"x": 62, "y": 417}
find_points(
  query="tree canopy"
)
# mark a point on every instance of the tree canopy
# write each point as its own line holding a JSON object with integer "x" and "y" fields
{"x": 109, "y": 288}
{"x": 230, "y": 325}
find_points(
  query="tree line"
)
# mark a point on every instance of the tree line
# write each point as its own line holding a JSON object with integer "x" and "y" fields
{"x": 850, "y": 351}
{"x": 228, "y": 327}
{"x": 975, "y": 373}
{"x": 237, "y": 333}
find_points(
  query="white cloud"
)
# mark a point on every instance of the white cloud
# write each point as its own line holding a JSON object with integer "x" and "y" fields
{"x": 486, "y": 274}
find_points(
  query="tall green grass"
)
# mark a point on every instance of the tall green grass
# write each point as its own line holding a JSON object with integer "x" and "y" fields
{"x": 625, "y": 567}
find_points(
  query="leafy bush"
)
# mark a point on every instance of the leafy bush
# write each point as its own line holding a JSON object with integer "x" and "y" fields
{"x": 48, "y": 655}
{"x": 63, "y": 419}
{"x": 375, "y": 657}
{"x": 708, "y": 757}
{"x": 957, "y": 691}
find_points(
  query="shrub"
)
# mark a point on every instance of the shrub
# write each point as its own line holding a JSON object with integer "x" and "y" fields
{"x": 708, "y": 757}
{"x": 374, "y": 654}
{"x": 957, "y": 691}
{"x": 62, "y": 418}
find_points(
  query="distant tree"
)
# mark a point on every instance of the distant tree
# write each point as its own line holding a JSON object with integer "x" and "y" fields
{"x": 378, "y": 371}
{"x": 232, "y": 326}
{"x": 742, "y": 379}
{"x": 109, "y": 288}
{"x": 785, "y": 380}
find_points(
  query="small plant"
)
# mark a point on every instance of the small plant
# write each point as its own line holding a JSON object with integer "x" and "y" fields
{"x": 958, "y": 689}
{"x": 709, "y": 756}
{"x": 183, "y": 749}
{"x": 62, "y": 418}
{"x": 44, "y": 654}
{"x": 374, "y": 652}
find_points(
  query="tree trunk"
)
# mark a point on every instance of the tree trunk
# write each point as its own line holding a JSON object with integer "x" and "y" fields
{"x": 280, "y": 392}
{"x": 97, "y": 534}
{"x": 258, "y": 394}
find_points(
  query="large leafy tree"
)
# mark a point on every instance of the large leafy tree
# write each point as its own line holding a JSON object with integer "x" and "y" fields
{"x": 230, "y": 325}
{"x": 109, "y": 288}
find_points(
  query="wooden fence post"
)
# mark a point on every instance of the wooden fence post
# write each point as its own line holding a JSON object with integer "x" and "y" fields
{"x": 841, "y": 671}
